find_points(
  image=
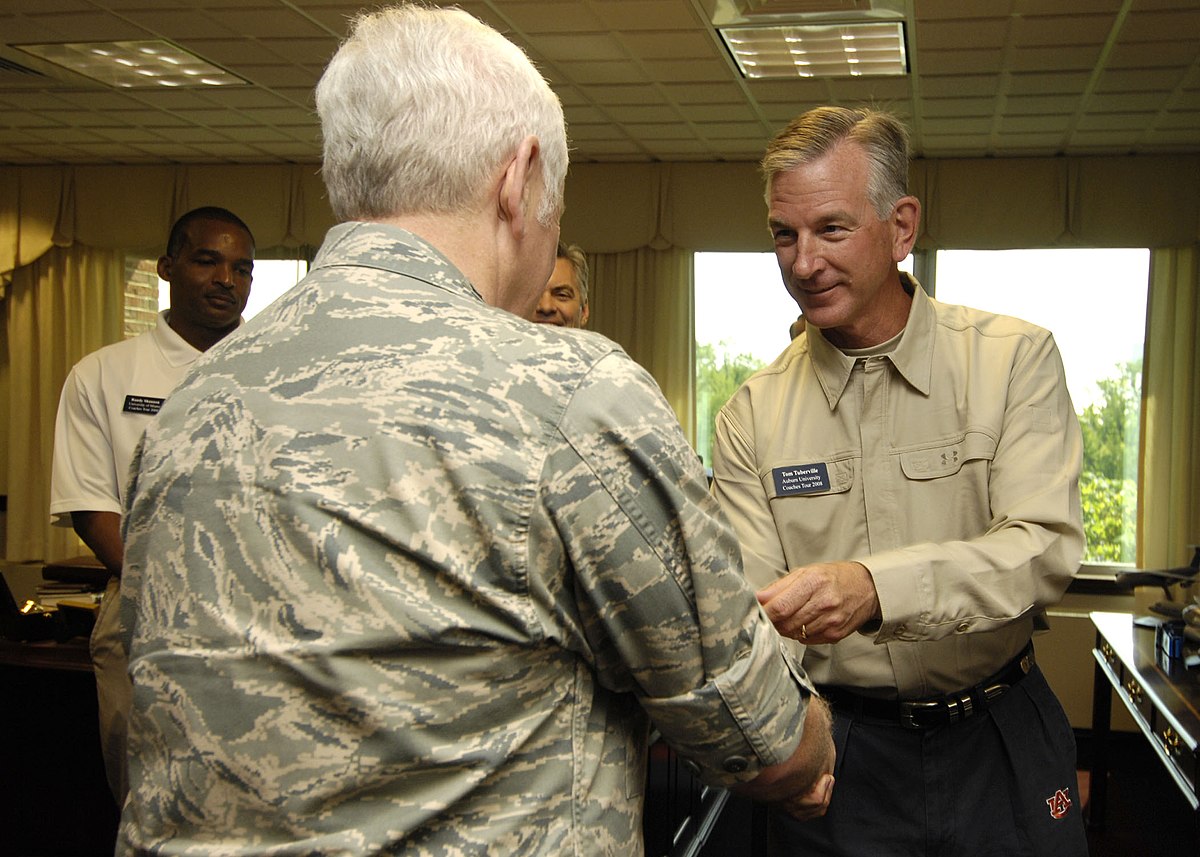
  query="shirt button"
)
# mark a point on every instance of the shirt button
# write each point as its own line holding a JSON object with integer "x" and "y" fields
{"x": 736, "y": 764}
{"x": 964, "y": 627}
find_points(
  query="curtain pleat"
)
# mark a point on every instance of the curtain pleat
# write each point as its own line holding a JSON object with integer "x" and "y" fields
{"x": 643, "y": 300}
{"x": 62, "y": 306}
{"x": 1169, "y": 461}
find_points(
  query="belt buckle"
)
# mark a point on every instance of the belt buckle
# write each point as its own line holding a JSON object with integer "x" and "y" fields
{"x": 909, "y": 710}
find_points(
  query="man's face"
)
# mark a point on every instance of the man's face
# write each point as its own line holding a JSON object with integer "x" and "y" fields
{"x": 835, "y": 254}
{"x": 210, "y": 277}
{"x": 562, "y": 302}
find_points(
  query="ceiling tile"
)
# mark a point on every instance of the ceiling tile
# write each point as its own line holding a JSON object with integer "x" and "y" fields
{"x": 717, "y": 112}
{"x": 637, "y": 113}
{"x": 278, "y": 22}
{"x": 674, "y": 71}
{"x": 707, "y": 92}
{"x": 1051, "y": 83}
{"x": 945, "y": 107}
{"x": 580, "y": 47}
{"x": 625, "y": 15}
{"x": 952, "y": 34}
{"x": 633, "y": 94}
{"x": 1062, "y": 30}
{"x": 582, "y": 73}
{"x": 1034, "y": 124}
{"x": 660, "y": 45}
{"x": 1165, "y": 26}
{"x": 734, "y": 131}
{"x": 1145, "y": 80}
{"x": 1064, "y": 58}
{"x": 957, "y": 62}
{"x": 1116, "y": 122}
{"x": 548, "y": 17}
{"x": 953, "y": 86}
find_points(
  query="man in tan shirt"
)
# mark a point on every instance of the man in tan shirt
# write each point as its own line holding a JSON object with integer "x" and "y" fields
{"x": 564, "y": 301}
{"x": 903, "y": 480}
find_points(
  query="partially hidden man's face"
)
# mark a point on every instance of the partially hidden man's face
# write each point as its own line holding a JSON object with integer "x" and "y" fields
{"x": 561, "y": 303}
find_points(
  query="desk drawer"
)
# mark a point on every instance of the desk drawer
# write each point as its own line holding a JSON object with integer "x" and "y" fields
{"x": 1129, "y": 686}
{"x": 1180, "y": 750}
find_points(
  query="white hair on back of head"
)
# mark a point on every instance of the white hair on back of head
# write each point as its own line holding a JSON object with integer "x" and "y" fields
{"x": 420, "y": 106}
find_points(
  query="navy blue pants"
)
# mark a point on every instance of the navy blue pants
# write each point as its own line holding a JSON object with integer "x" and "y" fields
{"x": 999, "y": 784}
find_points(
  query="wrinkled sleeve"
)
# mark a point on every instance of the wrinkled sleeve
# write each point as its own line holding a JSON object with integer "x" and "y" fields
{"x": 1033, "y": 545}
{"x": 658, "y": 585}
{"x": 739, "y": 490}
{"x": 83, "y": 477}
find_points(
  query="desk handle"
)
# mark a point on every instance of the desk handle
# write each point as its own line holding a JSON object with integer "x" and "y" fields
{"x": 1134, "y": 690}
{"x": 1172, "y": 743}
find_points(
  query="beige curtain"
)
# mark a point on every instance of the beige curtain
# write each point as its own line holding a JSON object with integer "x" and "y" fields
{"x": 1169, "y": 494}
{"x": 64, "y": 305}
{"x": 643, "y": 300}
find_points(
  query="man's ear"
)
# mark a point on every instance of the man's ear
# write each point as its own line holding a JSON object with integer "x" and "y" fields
{"x": 164, "y": 268}
{"x": 516, "y": 187}
{"x": 906, "y": 217}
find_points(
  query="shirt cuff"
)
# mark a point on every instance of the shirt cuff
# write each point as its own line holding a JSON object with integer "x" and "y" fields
{"x": 748, "y": 717}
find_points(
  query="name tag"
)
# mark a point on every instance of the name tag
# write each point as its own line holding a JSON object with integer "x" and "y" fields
{"x": 801, "y": 479}
{"x": 142, "y": 405}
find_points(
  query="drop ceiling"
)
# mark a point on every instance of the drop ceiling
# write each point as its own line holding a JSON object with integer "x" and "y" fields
{"x": 641, "y": 80}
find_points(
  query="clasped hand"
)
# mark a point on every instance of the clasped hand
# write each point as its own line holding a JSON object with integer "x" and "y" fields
{"x": 821, "y": 603}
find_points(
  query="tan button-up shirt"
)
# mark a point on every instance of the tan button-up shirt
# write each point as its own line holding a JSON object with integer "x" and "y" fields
{"x": 949, "y": 467}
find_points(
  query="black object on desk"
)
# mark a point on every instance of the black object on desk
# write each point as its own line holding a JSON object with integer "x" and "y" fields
{"x": 1163, "y": 697}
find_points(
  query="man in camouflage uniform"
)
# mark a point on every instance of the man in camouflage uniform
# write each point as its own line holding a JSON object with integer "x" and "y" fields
{"x": 408, "y": 574}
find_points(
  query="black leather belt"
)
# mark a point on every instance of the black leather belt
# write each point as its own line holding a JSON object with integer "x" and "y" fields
{"x": 938, "y": 711}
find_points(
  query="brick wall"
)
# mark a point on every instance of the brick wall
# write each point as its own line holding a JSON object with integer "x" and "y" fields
{"x": 141, "y": 295}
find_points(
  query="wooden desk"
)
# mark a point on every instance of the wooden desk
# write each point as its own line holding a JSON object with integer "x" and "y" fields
{"x": 1163, "y": 697}
{"x": 72, "y": 654}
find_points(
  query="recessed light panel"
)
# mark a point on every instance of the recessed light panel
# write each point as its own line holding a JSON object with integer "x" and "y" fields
{"x": 129, "y": 65}
{"x": 824, "y": 50}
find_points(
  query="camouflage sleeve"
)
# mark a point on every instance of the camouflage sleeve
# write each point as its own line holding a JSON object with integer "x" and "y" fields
{"x": 658, "y": 590}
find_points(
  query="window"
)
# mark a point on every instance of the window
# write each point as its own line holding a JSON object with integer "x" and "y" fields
{"x": 1094, "y": 302}
{"x": 742, "y": 316}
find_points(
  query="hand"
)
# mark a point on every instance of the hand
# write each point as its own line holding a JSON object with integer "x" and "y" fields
{"x": 803, "y": 784}
{"x": 821, "y": 603}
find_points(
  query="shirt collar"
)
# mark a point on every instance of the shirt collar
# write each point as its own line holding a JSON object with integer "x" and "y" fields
{"x": 912, "y": 357}
{"x": 391, "y": 248}
{"x": 176, "y": 350}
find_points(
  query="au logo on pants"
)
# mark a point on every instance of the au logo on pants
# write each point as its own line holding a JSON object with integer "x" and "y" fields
{"x": 1059, "y": 803}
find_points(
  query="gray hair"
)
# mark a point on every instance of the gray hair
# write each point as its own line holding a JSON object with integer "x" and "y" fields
{"x": 574, "y": 254}
{"x": 810, "y": 135}
{"x": 420, "y": 105}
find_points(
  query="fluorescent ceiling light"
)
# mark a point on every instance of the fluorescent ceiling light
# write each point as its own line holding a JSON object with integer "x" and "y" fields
{"x": 824, "y": 50}
{"x": 130, "y": 65}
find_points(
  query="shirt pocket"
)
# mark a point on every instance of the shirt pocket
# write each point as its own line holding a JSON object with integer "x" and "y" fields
{"x": 814, "y": 522}
{"x": 812, "y": 478}
{"x": 949, "y": 457}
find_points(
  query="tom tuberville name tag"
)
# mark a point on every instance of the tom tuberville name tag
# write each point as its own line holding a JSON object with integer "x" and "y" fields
{"x": 142, "y": 405}
{"x": 801, "y": 479}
